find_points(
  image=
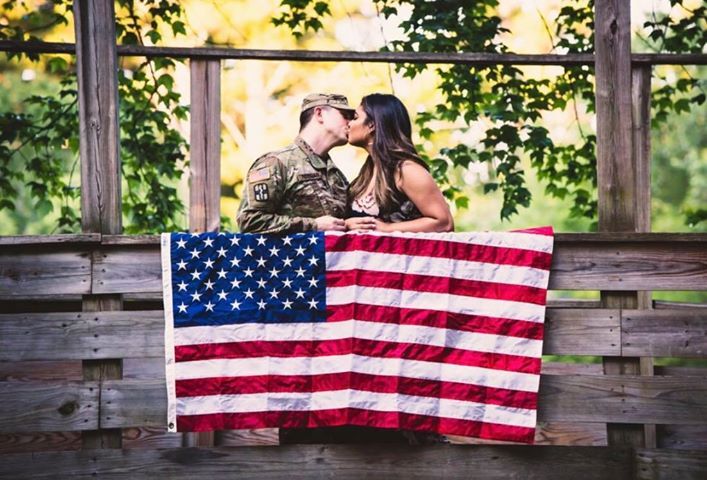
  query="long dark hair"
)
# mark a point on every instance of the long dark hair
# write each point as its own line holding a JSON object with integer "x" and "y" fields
{"x": 392, "y": 145}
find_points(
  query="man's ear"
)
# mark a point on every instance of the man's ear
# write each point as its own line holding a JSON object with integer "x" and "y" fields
{"x": 318, "y": 114}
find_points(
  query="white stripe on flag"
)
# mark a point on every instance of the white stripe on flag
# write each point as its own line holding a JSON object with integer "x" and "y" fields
{"x": 388, "y": 332}
{"x": 395, "y": 367}
{"x": 338, "y": 399}
{"x": 389, "y": 297}
{"x": 437, "y": 267}
{"x": 520, "y": 240}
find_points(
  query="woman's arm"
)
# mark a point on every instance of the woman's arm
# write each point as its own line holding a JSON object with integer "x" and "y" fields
{"x": 419, "y": 186}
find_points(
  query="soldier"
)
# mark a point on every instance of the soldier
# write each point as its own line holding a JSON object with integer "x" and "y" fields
{"x": 299, "y": 188}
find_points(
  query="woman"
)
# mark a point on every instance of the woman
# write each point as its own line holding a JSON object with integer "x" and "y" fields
{"x": 394, "y": 190}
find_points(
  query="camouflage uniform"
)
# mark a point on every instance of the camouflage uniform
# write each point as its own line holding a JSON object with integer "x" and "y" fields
{"x": 287, "y": 189}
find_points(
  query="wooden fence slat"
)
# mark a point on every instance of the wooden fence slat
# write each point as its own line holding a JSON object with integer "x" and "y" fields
{"x": 551, "y": 433}
{"x": 576, "y": 266}
{"x": 563, "y": 398}
{"x": 128, "y": 270}
{"x": 138, "y": 334}
{"x": 582, "y": 332}
{"x": 330, "y": 461}
{"x": 48, "y": 407}
{"x": 664, "y": 333}
{"x": 71, "y": 238}
{"x": 49, "y": 272}
{"x": 205, "y": 146}
{"x": 81, "y": 335}
{"x": 39, "y": 442}
{"x": 39, "y": 370}
{"x": 652, "y": 464}
{"x": 683, "y": 437}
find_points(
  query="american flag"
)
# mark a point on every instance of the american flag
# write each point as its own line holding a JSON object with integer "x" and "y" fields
{"x": 428, "y": 332}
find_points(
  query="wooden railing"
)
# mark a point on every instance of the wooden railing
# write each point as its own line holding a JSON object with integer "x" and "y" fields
{"x": 47, "y": 401}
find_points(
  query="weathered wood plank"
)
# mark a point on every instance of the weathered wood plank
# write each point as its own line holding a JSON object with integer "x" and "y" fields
{"x": 97, "y": 67}
{"x": 81, "y": 335}
{"x": 248, "y": 438}
{"x": 623, "y": 399}
{"x": 683, "y": 437}
{"x": 329, "y": 461}
{"x": 39, "y": 442}
{"x": 138, "y": 334}
{"x": 664, "y": 333}
{"x": 49, "y": 272}
{"x": 563, "y": 398}
{"x": 150, "y": 437}
{"x": 629, "y": 266}
{"x": 582, "y": 332}
{"x": 576, "y": 266}
{"x": 550, "y": 433}
{"x": 40, "y": 370}
{"x": 469, "y": 58}
{"x": 205, "y": 146}
{"x": 72, "y": 238}
{"x": 134, "y": 269}
{"x": 660, "y": 464}
{"x": 48, "y": 407}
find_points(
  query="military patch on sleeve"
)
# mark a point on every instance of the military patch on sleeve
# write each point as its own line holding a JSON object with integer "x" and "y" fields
{"x": 259, "y": 175}
{"x": 261, "y": 192}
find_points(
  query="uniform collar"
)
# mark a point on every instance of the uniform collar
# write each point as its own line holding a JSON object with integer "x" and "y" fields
{"x": 316, "y": 161}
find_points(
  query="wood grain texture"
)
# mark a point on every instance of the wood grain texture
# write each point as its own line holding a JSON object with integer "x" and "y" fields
{"x": 138, "y": 334}
{"x": 31, "y": 271}
{"x": 661, "y": 464}
{"x": 551, "y": 433}
{"x": 39, "y": 442}
{"x": 205, "y": 146}
{"x": 329, "y": 461}
{"x": 48, "y": 407}
{"x": 73, "y": 238}
{"x": 563, "y": 398}
{"x": 40, "y": 370}
{"x": 683, "y": 437}
{"x": 582, "y": 332}
{"x": 207, "y": 52}
{"x": 131, "y": 269}
{"x": 577, "y": 265}
{"x": 81, "y": 335}
{"x": 664, "y": 333}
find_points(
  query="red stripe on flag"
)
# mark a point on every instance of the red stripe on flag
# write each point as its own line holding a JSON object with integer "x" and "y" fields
{"x": 436, "y": 318}
{"x": 356, "y": 381}
{"x": 428, "y": 283}
{"x": 357, "y": 346}
{"x": 438, "y": 249}
{"x": 354, "y": 416}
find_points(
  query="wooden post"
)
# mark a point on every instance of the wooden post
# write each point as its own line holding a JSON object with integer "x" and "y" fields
{"x": 205, "y": 146}
{"x": 641, "y": 117}
{"x": 621, "y": 193}
{"x": 205, "y": 169}
{"x": 97, "y": 62}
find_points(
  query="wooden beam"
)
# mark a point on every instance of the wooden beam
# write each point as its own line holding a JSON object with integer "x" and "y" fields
{"x": 469, "y": 58}
{"x": 577, "y": 265}
{"x": 48, "y": 406}
{"x": 631, "y": 399}
{"x": 343, "y": 462}
{"x": 205, "y": 169}
{"x": 97, "y": 66}
{"x": 205, "y": 146}
{"x": 97, "y": 71}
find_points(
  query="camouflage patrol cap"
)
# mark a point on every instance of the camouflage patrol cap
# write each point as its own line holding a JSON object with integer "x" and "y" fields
{"x": 326, "y": 99}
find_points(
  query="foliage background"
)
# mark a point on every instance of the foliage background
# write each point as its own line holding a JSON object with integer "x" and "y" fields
{"x": 260, "y": 102}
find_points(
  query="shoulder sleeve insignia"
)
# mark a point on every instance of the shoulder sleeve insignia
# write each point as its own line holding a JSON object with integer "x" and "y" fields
{"x": 261, "y": 192}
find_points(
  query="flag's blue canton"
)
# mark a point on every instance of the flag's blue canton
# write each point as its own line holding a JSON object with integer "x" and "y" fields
{"x": 226, "y": 278}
